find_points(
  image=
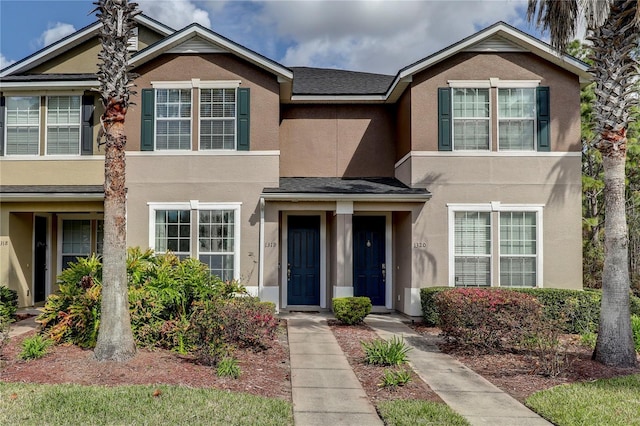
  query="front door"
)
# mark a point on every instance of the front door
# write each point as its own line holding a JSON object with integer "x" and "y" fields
{"x": 369, "y": 268}
{"x": 303, "y": 260}
{"x": 40, "y": 259}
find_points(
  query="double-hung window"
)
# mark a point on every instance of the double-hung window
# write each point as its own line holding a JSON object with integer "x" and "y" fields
{"x": 471, "y": 119}
{"x": 479, "y": 231}
{"x": 80, "y": 237}
{"x": 23, "y": 125}
{"x": 173, "y": 119}
{"x": 516, "y": 119}
{"x": 218, "y": 118}
{"x": 63, "y": 125}
{"x": 214, "y": 226}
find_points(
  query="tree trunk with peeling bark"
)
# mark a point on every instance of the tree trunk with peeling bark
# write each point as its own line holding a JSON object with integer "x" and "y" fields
{"x": 115, "y": 338}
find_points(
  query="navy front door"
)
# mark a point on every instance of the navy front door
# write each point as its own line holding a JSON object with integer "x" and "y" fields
{"x": 303, "y": 260}
{"x": 40, "y": 259}
{"x": 369, "y": 268}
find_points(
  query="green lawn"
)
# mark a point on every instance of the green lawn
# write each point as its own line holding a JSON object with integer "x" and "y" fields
{"x": 414, "y": 413}
{"x": 602, "y": 402}
{"x": 32, "y": 404}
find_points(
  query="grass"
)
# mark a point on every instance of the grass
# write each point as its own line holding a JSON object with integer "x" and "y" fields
{"x": 33, "y": 404}
{"x": 602, "y": 402}
{"x": 414, "y": 413}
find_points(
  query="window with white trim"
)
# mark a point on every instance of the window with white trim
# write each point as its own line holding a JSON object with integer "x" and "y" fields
{"x": 215, "y": 226}
{"x": 63, "y": 125}
{"x": 472, "y": 236}
{"x": 23, "y": 125}
{"x": 516, "y": 119}
{"x": 470, "y": 119}
{"x": 217, "y": 118}
{"x": 79, "y": 238}
{"x": 478, "y": 231}
{"x": 173, "y": 119}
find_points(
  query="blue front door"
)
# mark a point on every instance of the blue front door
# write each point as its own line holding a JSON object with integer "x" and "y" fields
{"x": 369, "y": 268}
{"x": 303, "y": 260}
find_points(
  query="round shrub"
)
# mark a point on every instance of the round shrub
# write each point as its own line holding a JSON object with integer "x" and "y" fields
{"x": 351, "y": 310}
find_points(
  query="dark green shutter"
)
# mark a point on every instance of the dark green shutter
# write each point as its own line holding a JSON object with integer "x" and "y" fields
{"x": 86, "y": 136}
{"x": 243, "y": 119}
{"x": 148, "y": 116}
{"x": 544, "y": 119}
{"x": 2, "y": 110}
{"x": 444, "y": 119}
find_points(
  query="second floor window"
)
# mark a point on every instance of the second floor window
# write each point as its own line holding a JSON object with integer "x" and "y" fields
{"x": 470, "y": 119}
{"x": 516, "y": 119}
{"x": 173, "y": 119}
{"x": 63, "y": 125}
{"x": 218, "y": 119}
{"x": 23, "y": 125}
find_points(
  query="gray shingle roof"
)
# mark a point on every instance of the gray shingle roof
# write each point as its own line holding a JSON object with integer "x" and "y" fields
{"x": 322, "y": 81}
{"x": 335, "y": 185}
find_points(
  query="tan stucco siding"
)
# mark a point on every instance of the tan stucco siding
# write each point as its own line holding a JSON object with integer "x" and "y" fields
{"x": 550, "y": 181}
{"x": 564, "y": 93}
{"x": 337, "y": 141}
{"x": 80, "y": 171}
{"x": 82, "y": 59}
{"x": 403, "y": 125}
{"x": 264, "y": 103}
{"x": 208, "y": 179}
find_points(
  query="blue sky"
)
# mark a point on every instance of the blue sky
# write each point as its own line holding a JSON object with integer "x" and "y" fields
{"x": 376, "y": 35}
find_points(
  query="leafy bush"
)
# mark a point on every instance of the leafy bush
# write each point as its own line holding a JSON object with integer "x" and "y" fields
{"x": 487, "y": 318}
{"x": 218, "y": 326}
{"x": 395, "y": 378}
{"x": 351, "y": 310}
{"x": 385, "y": 352}
{"x": 544, "y": 343}
{"x": 4, "y": 334}
{"x": 34, "y": 347}
{"x": 635, "y": 327}
{"x": 429, "y": 308}
{"x": 8, "y": 303}
{"x": 228, "y": 367}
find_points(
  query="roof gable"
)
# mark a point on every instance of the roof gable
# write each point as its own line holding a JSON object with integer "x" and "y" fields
{"x": 198, "y": 39}
{"x": 74, "y": 40}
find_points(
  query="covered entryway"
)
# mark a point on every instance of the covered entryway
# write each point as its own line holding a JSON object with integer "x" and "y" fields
{"x": 303, "y": 260}
{"x": 369, "y": 264}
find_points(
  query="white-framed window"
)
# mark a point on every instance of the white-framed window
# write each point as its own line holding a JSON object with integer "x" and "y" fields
{"x": 79, "y": 236}
{"x": 63, "y": 124}
{"x": 215, "y": 227}
{"x": 217, "y": 118}
{"x": 173, "y": 119}
{"x": 23, "y": 125}
{"x": 477, "y": 232}
{"x": 471, "y": 118}
{"x": 517, "y": 119}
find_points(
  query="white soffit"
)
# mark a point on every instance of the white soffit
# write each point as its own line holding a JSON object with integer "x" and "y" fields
{"x": 494, "y": 44}
{"x": 196, "y": 45}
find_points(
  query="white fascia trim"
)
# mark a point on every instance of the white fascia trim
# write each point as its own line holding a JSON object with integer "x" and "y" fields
{"x": 211, "y": 153}
{"x": 52, "y": 157}
{"x": 176, "y": 39}
{"x": 44, "y": 54}
{"x": 347, "y": 197}
{"x": 43, "y": 85}
{"x": 339, "y": 98}
{"x": 49, "y": 196}
{"x": 161, "y": 28}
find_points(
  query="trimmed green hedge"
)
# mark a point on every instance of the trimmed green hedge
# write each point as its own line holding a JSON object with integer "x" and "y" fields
{"x": 351, "y": 310}
{"x": 580, "y": 308}
{"x": 8, "y": 303}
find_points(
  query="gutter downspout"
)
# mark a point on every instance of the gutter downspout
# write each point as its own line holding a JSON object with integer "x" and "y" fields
{"x": 261, "y": 250}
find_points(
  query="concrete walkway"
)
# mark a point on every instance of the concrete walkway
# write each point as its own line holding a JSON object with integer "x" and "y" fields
{"x": 325, "y": 389}
{"x": 466, "y": 392}
{"x": 25, "y": 325}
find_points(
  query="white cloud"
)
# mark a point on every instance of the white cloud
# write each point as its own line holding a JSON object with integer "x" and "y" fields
{"x": 175, "y": 13}
{"x": 55, "y": 32}
{"x": 5, "y": 62}
{"x": 381, "y": 36}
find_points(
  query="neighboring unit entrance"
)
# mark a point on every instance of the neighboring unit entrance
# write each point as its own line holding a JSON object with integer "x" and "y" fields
{"x": 369, "y": 267}
{"x": 303, "y": 260}
{"x": 40, "y": 259}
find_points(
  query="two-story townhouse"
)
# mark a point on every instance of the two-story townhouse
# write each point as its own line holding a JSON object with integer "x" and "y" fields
{"x": 305, "y": 184}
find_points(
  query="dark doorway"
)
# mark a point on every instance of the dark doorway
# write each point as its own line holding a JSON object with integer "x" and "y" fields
{"x": 303, "y": 260}
{"x": 369, "y": 267}
{"x": 40, "y": 260}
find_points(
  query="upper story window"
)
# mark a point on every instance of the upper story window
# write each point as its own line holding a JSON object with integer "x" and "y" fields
{"x": 63, "y": 125}
{"x": 471, "y": 119}
{"x": 217, "y": 119}
{"x": 221, "y": 109}
{"x": 173, "y": 119}
{"x": 23, "y": 125}
{"x": 472, "y": 113}
{"x": 516, "y": 119}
